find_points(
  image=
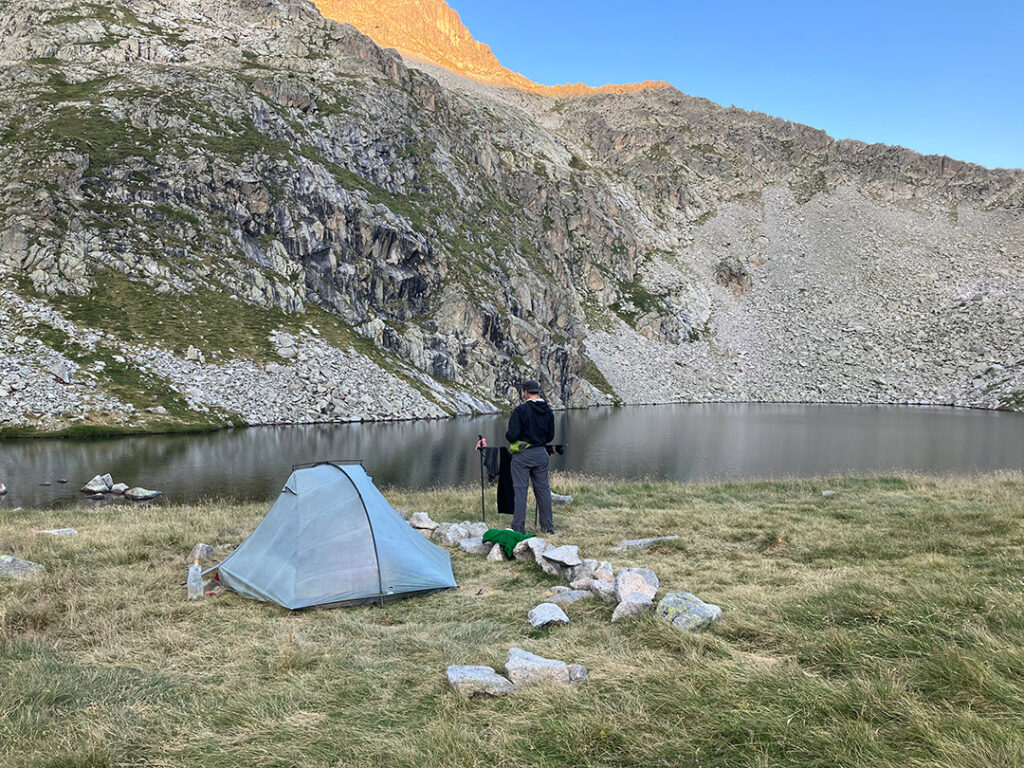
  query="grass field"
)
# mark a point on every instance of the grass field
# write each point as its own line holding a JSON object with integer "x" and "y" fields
{"x": 881, "y": 626}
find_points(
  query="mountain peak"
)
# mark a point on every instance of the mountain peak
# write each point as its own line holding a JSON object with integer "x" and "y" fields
{"x": 429, "y": 30}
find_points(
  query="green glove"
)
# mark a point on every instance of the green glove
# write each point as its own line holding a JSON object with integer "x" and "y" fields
{"x": 518, "y": 446}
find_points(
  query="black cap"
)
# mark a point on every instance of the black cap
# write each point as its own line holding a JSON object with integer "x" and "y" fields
{"x": 531, "y": 386}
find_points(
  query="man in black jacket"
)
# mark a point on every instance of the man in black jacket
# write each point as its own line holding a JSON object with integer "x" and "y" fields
{"x": 530, "y": 428}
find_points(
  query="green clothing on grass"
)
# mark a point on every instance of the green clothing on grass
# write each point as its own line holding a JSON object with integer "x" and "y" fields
{"x": 508, "y": 539}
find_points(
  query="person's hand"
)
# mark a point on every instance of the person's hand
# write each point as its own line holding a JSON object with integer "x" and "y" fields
{"x": 481, "y": 443}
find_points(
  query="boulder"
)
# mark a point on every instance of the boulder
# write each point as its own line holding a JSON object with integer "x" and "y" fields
{"x": 141, "y": 494}
{"x": 58, "y": 532}
{"x": 570, "y": 596}
{"x": 96, "y": 485}
{"x": 636, "y": 604}
{"x": 421, "y": 522}
{"x": 557, "y": 498}
{"x": 15, "y": 568}
{"x": 108, "y": 481}
{"x": 567, "y": 556}
{"x": 119, "y": 489}
{"x": 525, "y": 668}
{"x": 686, "y": 611}
{"x": 403, "y": 513}
{"x": 643, "y": 543}
{"x": 631, "y": 580}
{"x": 200, "y": 552}
{"x": 547, "y": 614}
{"x": 59, "y": 371}
{"x": 496, "y": 555}
{"x": 475, "y": 545}
{"x": 449, "y": 534}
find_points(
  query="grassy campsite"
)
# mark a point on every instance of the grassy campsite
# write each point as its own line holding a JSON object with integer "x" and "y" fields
{"x": 882, "y": 625}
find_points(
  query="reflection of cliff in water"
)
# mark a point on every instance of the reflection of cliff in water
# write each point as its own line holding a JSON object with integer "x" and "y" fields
{"x": 681, "y": 442}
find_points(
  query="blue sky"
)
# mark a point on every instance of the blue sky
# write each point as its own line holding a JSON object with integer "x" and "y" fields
{"x": 938, "y": 77}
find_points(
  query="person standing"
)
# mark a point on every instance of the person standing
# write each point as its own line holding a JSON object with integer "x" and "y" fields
{"x": 530, "y": 428}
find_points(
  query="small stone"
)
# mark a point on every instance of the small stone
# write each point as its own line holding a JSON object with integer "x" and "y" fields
{"x": 16, "y": 568}
{"x": 141, "y": 494}
{"x": 475, "y": 545}
{"x": 584, "y": 570}
{"x": 119, "y": 489}
{"x": 643, "y": 543}
{"x": 449, "y": 534}
{"x": 421, "y": 521}
{"x": 475, "y": 529}
{"x": 403, "y": 513}
{"x": 557, "y": 498}
{"x": 475, "y": 681}
{"x": 566, "y": 555}
{"x": 632, "y": 580}
{"x": 604, "y": 572}
{"x": 525, "y": 668}
{"x": 570, "y": 596}
{"x": 636, "y": 604}
{"x": 58, "y": 532}
{"x": 547, "y": 614}
{"x": 200, "y": 552}
{"x": 96, "y": 485}
{"x": 686, "y": 611}
{"x": 577, "y": 672}
{"x": 603, "y": 589}
{"x": 496, "y": 555}
{"x": 828, "y": 493}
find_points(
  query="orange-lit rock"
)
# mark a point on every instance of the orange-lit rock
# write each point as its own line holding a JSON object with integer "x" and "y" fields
{"x": 428, "y": 30}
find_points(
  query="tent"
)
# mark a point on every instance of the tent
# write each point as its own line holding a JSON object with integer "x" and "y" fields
{"x": 331, "y": 538}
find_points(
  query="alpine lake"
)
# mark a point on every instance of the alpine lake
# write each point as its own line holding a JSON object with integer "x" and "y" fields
{"x": 717, "y": 442}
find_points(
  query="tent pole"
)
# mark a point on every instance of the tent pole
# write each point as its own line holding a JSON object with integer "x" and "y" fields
{"x": 483, "y": 508}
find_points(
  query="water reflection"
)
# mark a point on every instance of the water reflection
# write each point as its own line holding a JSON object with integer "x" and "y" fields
{"x": 680, "y": 442}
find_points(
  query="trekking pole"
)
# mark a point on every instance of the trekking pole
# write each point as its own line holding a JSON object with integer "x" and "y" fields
{"x": 483, "y": 509}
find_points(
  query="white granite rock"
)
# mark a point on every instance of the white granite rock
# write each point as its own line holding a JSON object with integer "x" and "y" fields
{"x": 525, "y": 668}
{"x": 547, "y": 614}
{"x": 476, "y": 681}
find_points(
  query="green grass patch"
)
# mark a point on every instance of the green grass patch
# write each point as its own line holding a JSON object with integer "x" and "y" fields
{"x": 852, "y": 635}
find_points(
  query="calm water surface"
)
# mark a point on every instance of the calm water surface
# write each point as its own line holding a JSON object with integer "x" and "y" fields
{"x": 671, "y": 442}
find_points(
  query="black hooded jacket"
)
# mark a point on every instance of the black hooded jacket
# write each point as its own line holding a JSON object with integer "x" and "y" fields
{"x": 533, "y": 421}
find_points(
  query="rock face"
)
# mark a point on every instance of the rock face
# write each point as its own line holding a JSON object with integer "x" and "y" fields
{"x": 14, "y": 568}
{"x": 423, "y": 242}
{"x": 687, "y": 611}
{"x": 477, "y": 681}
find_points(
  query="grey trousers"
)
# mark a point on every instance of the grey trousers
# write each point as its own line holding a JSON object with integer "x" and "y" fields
{"x": 531, "y": 464}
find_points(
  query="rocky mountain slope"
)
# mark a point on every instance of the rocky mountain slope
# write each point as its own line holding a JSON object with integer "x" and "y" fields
{"x": 241, "y": 212}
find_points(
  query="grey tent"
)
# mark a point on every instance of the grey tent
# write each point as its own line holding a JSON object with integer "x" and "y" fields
{"x": 331, "y": 538}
